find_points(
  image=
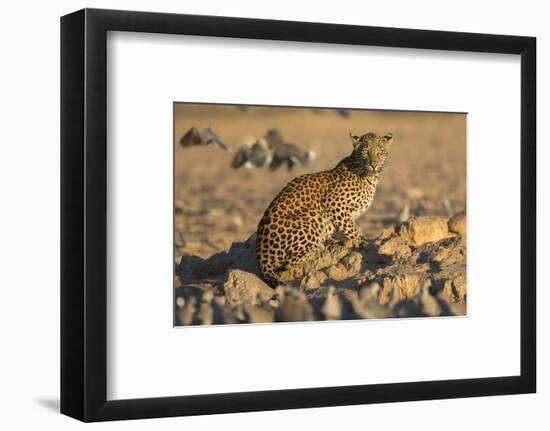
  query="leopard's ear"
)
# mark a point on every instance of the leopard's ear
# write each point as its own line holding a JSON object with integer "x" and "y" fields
{"x": 355, "y": 140}
{"x": 388, "y": 139}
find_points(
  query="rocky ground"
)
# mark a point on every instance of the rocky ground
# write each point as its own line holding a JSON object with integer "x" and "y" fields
{"x": 413, "y": 269}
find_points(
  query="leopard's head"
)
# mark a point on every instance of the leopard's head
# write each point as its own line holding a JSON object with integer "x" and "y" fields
{"x": 372, "y": 151}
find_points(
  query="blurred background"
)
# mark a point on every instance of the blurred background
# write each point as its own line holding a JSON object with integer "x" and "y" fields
{"x": 216, "y": 205}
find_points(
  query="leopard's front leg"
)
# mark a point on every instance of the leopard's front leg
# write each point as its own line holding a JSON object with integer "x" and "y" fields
{"x": 342, "y": 217}
{"x": 348, "y": 228}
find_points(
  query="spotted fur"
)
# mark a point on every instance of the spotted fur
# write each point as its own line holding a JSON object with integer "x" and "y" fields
{"x": 311, "y": 208}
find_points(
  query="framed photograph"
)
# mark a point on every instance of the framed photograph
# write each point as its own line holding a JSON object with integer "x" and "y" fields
{"x": 262, "y": 215}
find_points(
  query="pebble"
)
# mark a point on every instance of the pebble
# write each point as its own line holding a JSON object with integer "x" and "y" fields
{"x": 295, "y": 307}
{"x": 256, "y": 314}
{"x": 242, "y": 286}
{"x": 457, "y": 224}
{"x": 421, "y": 230}
{"x": 332, "y": 310}
{"x": 186, "y": 313}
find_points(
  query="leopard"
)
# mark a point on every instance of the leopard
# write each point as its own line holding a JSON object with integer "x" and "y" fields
{"x": 314, "y": 209}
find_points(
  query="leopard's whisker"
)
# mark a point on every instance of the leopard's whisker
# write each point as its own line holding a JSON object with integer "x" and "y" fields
{"x": 394, "y": 169}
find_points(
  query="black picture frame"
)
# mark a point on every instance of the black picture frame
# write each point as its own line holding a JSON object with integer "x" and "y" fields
{"x": 84, "y": 214}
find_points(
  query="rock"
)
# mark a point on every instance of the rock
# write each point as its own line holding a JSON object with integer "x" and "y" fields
{"x": 236, "y": 222}
{"x": 179, "y": 240}
{"x": 395, "y": 245}
{"x": 331, "y": 255}
{"x": 457, "y": 224}
{"x": 407, "y": 308}
{"x": 448, "y": 308}
{"x": 349, "y": 294}
{"x": 179, "y": 206}
{"x": 295, "y": 307}
{"x": 208, "y": 296}
{"x": 348, "y": 267}
{"x": 387, "y": 292}
{"x": 313, "y": 280}
{"x": 405, "y": 213}
{"x": 251, "y": 241}
{"x": 220, "y": 300}
{"x": 242, "y": 286}
{"x": 448, "y": 207}
{"x": 446, "y": 255}
{"x": 366, "y": 305}
{"x": 455, "y": 288}
{"x": 186, "y": 313}
{"x": 255, "y": 314}
{"x": 415, "y": 193}
{"x": 332, "y": 310}
{"x": 407, "y": 284}
{"x": 216, "y": 212}
{"x": 370, "y": 292}
{"x": 386, "y": 233}
{"x": 225, "y": 313}
{"x": 371, "y": 310}
{"x": 238, "y": 312}
{"x": 239, "y": 256}
{"x": 352, "y": 262}
{"x": 205, "y": 315}
{"x": 428, "y": 304}
{"x": 458, "y": 308}
{"x": 421, "y": 230}
{"x": 399, "y": 287}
